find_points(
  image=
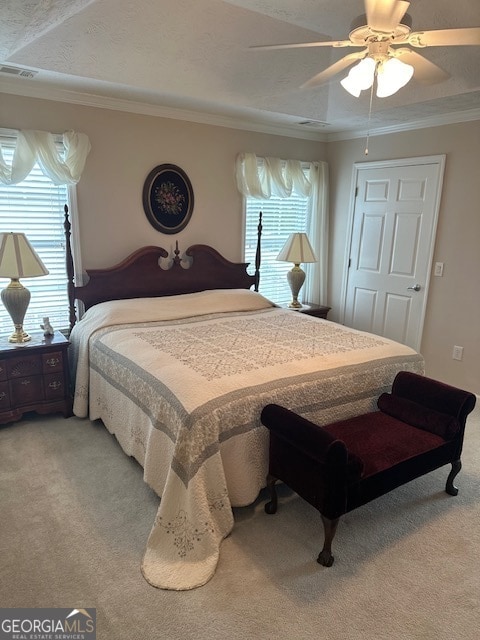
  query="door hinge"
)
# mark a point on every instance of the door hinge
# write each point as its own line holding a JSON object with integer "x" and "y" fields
{"x": 349, "y": 263}
{"x": 356, "y": 192}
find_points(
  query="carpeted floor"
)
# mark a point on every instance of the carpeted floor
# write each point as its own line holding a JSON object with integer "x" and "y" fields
{"x": 76, "y": 514}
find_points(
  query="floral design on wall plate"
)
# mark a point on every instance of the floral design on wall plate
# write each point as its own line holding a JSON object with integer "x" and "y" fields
{"x": 168, "y": 198}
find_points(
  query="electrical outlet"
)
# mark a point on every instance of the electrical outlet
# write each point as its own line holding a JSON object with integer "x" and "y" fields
{"x": 457, "y": 353}
{"x": 438, "y": 269}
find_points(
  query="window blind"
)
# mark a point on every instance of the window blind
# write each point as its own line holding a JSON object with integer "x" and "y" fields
{"x": 35, "y": 207}
{"x": 281, "y": 217}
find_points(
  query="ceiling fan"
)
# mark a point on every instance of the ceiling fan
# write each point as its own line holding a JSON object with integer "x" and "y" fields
{"x": 378, "y": 34}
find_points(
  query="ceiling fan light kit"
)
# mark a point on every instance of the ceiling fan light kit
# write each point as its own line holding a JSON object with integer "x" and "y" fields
{"x": 385, "y": 25}
{"x": 392, "y": 74}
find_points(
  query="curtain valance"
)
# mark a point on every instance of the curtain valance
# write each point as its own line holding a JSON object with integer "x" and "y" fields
{"x": 39, "y": 146}
{"x": 267, "y": 177}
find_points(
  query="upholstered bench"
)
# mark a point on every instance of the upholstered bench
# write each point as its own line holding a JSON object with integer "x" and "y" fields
{"x": 418, "y": 427}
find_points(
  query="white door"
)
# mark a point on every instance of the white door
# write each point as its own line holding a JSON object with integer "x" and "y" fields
{"x": 392, "y": 241}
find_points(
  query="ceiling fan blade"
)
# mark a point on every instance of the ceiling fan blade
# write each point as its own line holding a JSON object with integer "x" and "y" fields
{"x": 445, "y": 37}
{"x": 300, "y": 45}
{"x": 332, "y": 70}
{"x": 384, "y": 15}
{"x": 426, "y": 72}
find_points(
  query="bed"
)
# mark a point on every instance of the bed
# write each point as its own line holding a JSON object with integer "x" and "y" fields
{"x": 178, "y": 362}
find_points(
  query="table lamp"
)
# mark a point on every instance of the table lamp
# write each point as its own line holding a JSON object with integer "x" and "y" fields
{"x": 297, "y": 249}
{"x": 18, "y": 259}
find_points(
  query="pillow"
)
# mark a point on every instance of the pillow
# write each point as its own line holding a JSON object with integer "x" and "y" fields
{"x": 419, "y": 416}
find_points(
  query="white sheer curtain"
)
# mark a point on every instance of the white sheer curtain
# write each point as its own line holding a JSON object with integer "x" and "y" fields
{"x": 263, "y": 177}
{"x": 39, "y": 146}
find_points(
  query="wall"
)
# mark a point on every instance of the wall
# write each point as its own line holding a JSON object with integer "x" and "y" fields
{"x": 453, "y": 307}
{"x": 126, "y": 147}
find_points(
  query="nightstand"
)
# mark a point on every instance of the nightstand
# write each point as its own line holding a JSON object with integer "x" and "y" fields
{"x": 34, "y": 376}
{"x": 316, "y": 310}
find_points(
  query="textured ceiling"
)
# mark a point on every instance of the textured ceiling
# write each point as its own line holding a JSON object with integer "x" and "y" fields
{"x": 194, "y": 55}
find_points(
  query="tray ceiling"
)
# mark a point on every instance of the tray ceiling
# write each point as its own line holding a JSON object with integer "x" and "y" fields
{"x": 193, "y": 56}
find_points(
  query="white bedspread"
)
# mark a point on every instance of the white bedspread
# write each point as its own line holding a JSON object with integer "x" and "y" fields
{"x": 181, "y": 382}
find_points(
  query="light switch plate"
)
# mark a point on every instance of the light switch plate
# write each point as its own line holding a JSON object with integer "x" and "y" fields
{"x": 438, "y": 269}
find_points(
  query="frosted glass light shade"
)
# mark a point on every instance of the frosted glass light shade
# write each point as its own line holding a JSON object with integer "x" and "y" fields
{"x": 360, "y": 77}
{"x": 392, "y": 75}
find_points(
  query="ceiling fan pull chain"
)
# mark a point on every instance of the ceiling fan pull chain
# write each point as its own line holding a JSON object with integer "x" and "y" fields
{"x": 369, "y": 116}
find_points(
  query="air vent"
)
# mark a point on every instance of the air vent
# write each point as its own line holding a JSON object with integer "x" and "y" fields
{"x": 314, "y": 124}
{"x": 15, "y": 71}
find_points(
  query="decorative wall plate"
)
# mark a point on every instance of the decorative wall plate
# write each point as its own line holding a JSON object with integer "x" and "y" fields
{"x": 168, "y": 198}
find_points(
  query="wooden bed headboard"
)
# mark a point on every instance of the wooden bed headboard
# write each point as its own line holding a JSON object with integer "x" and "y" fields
{"x": 141, "y": 276}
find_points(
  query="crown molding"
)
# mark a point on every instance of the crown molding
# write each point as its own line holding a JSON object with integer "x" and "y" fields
{"x": 455, "y": 117}
{"x": 291, "y": 130}
{"x": 288, "y": 129}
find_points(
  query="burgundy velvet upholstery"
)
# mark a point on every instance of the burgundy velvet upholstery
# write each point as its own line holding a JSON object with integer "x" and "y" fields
{"x": 419, "y": 427}
{"x": 381, "y": 441}
{"x": 418, "y": 415}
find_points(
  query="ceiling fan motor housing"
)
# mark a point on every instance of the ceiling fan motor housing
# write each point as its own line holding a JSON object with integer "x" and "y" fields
{"x": 361, "y": 34}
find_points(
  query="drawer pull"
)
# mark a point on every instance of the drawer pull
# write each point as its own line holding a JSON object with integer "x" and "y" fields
{"x": 25, "y": 382}
{"x": 52, "y": 362}
{"x": 55, "y": 385}
{"x": 3, "y": 395}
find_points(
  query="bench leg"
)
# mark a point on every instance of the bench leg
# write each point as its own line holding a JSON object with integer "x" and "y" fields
{"x": 450, "y": 488}
{"x": 325, "y": 556}
{"x": 271, "y": 507}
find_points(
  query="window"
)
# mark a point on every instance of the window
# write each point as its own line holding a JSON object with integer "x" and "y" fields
{"x": 293, "y": 197}
{"x": 281, "y": 217}
{"x": 36, "y": 207}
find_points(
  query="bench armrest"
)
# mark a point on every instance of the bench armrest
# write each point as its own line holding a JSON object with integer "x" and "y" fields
{"x": 434, "y": 395}
{"x": 417, "y": 415}
{"x": 312, "y": 440}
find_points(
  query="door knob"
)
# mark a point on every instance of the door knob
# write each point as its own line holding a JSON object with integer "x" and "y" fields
{"x": 416, "y": 287}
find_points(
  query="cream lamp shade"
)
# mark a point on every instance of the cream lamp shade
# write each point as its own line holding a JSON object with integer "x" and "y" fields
{"x": 18, "y": 259}
{"x": 297, "y": 249}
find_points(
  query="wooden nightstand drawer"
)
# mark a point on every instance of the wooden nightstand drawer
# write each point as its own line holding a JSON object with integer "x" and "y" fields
{"x": 52, "y": 362}
{"x": 54, "y": 386}
{"x": 4, "y": 396}
{"x": 27, "y": 365}
{"x": 26, "y": 390}
{"x": 3, "y": 369}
